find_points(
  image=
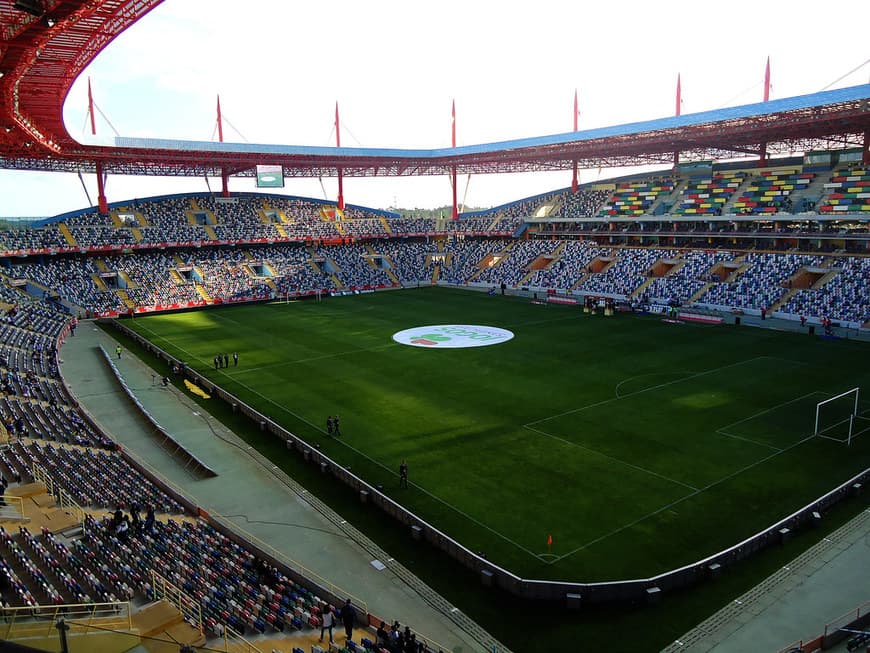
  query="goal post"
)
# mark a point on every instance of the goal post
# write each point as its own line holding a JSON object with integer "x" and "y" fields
{"x": 837, "y": 417}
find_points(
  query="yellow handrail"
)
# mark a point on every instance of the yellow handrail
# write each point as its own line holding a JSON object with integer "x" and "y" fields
{"x": 186, "y": 604}
{"x": 64, "y": 500}
{"x": 40, "y": 621}
{"x": 15, "y": 502}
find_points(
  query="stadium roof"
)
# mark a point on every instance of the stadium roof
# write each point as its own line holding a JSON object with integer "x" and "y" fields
{"x": 41, "y": 56}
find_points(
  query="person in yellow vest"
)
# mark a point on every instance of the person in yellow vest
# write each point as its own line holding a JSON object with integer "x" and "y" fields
{"x": 118, "y": 351}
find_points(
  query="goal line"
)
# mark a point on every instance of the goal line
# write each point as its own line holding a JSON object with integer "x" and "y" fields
{"x": 839, "y": 418}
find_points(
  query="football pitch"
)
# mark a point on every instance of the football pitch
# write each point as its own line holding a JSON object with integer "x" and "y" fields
{"x": 637, "y": 445}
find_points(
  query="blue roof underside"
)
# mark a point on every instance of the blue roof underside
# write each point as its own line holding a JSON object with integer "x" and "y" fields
{"x": 823, "y": 98}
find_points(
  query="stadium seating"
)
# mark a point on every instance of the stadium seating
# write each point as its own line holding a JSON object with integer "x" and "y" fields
{"x": 634, "y": 198}
{"x": 847, "y": 192}
{"x": 707, "y": 195}
{"x": 768, "y": 194}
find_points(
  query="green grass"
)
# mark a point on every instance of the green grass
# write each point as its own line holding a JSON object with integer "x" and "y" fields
{"x": 639, "y": 445}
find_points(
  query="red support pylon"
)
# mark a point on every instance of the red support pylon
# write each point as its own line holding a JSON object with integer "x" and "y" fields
{"x": 575, "y": 182}
{"x": 453, "y": 173}
{"x": 340, "y": 172}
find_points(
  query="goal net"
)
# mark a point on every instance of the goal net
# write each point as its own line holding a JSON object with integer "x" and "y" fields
{"x": 839, "y": 418}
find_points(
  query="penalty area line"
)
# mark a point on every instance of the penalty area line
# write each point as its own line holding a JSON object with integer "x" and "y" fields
{"x": 649, "y": 389}
{"x": 613, "y": 458}
{"x": 680, "y": 500}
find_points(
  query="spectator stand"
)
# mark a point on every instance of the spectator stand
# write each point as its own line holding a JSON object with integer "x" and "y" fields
{"x": 847, "y": 192}
{"x": 769, "y": 192}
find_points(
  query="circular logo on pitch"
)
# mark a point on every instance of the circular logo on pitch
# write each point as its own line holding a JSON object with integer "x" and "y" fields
{"x": 452, "y": 336}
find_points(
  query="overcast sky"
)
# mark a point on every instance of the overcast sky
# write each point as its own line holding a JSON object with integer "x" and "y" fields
{"x": 394, "y": 68}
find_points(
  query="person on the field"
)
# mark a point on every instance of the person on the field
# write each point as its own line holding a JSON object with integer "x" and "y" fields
{"x": 118, "y": 351}
{"x": 329, "y": 425}
{"x": 226, "y": 360}
{"x": 335, "y": 427}
{"x": 216, "y": 361}
{"x": 235, "y": 359}
{"x": 403, "y": 474}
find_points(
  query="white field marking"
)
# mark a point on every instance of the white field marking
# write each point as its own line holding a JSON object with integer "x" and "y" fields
{"x": 306, "y": 360}
{"x": 688, "y": 496}
{"x": 763, "y": 412}
{"x": 613, "y": 458}
{"x": 632, "y": 394}
{"x": 724, "y": 430}
{"x": 640, "y": 376}
{"x": 363, "y": 455}
{"x": 749, "y": 440}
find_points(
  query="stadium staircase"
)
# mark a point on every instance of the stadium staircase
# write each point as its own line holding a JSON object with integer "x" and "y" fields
{"x": 281, "y": 231}
{"x": 389, "y": 271}
{"x": 740, "y": 269}
{"x": 669, "y": 198}
{"x": 739, "y": 192}
{"x": 67, "y": 234}
{"x": 201, "y": 290}
{"x": 127, "y": 280}
{"x": 100, "y": 265}
{"x": 487, "y": 261}
{"x": 812, "y": 192}
{"x": 637, "y": 292}
{"x": 787, "y": 295}
{"x": 209, "y": 231}
{"x": 176, "y": 276}
{"x": 495, "y": 221}
{"x": 830, "y": 274}
{"x": 386, "y": 225}
{"x": 99, "y": 283}
{"x": 194, "y": 205}
{"x": 542, "y": 262}
{"x": 436, "y": 273}
{"x": 339, "y": 226}
{"x": 137, "y": 234}
{"x": 125, "y": 298}
{"x": 701, "y": 292}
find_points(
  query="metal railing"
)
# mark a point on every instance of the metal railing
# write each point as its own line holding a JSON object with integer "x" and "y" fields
{"x": 41, "y": 621}
{"x": 189, "y": 607}
{"x": 63, "y": 498}
{"x": 233, "y": 642}
{"x": 13, "y": 502}
{"x": 296, "y": 566}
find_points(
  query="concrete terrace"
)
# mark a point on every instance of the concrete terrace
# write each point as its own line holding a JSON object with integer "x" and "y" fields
{"x": 253, "y": 496}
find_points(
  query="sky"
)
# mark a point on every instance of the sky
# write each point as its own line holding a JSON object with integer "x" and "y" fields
{"x": 394, "y": 67}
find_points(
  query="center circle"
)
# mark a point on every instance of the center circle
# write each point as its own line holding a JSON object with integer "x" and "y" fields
{"x": 452, "y": 336}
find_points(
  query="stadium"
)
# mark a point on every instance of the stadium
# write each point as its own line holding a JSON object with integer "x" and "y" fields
{"x": 627, "y": 413}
